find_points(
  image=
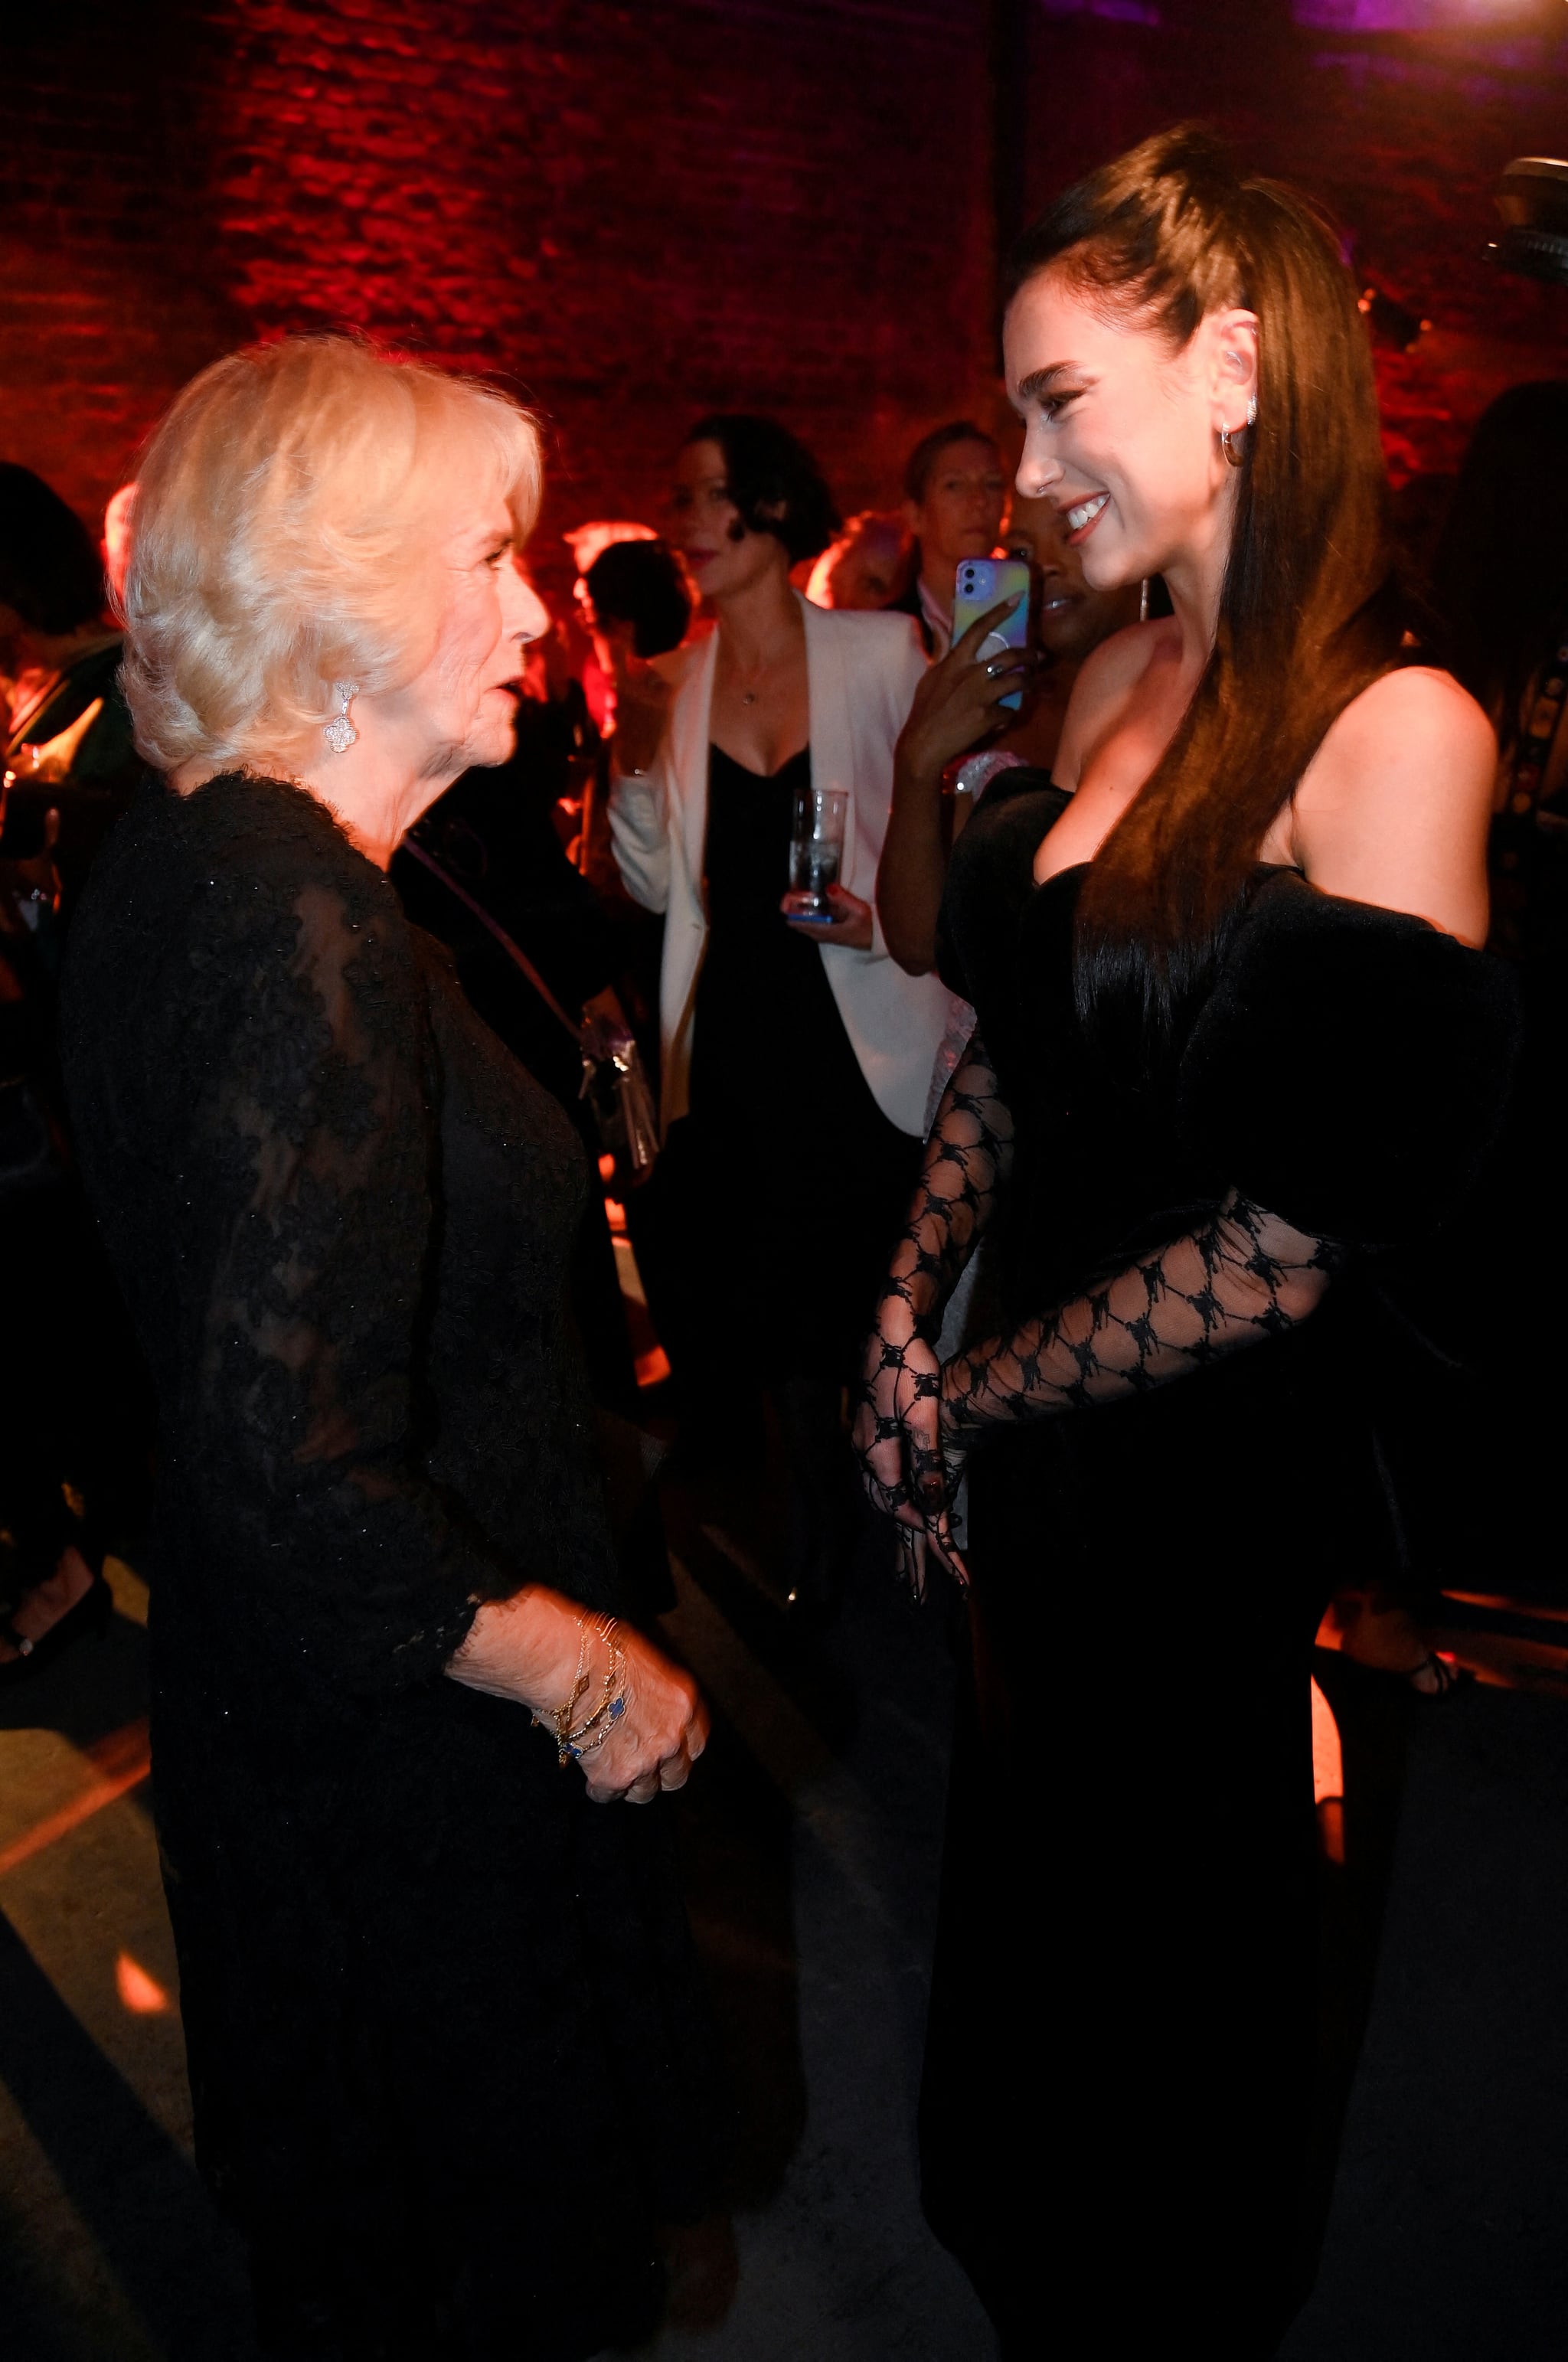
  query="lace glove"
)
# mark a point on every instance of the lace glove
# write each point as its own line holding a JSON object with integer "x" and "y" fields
{"x": 1246, "y": 1276}
{"x": 897, "y": 1424}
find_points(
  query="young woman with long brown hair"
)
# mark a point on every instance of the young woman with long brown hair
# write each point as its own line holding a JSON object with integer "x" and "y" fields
{"x": 1236, "y": 1037}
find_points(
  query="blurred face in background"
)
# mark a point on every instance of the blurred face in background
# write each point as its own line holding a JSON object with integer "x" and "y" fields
{"x": 866, "y": 566}
{"x": 1072, "y": 617}
{"x": 959, "y": 515}
{"x": 721, "y": 557}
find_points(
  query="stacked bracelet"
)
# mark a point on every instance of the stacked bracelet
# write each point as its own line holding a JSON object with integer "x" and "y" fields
{"x": 598, "y": 1725}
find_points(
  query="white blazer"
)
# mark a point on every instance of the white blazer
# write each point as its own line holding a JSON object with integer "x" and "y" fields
{"x": 862, "y": 671}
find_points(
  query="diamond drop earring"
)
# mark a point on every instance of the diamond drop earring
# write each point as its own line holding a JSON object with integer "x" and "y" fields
{"x": 340, "y": 732}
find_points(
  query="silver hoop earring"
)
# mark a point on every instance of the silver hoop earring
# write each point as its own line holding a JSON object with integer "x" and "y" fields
{"x": 1232, "y": 453}
{"x": 1143, "y": 600}
{"x": 340, "y": 732}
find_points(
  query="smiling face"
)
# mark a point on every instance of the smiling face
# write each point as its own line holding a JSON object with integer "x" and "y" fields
{"x": 1072, "y": 617}
{"x": 460, "y": 709}
{"x": 722, "y": 556}
{"x": 1121, "y": 431}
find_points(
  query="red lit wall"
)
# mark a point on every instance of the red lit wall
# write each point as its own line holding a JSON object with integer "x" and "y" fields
{"x": 635, "y": 213}
{"x": 638, "y": 211}
{"x": 1401, "y": 134}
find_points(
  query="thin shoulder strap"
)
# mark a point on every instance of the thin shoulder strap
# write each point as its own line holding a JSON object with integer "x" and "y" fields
{"x": 519, "y": 958}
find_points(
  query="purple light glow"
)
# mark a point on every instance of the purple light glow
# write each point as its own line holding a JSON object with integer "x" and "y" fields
{"x": 1403, "y": 15}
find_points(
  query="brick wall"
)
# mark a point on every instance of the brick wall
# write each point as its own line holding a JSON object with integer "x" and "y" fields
{"x": 632, "y": 212}
{"x": 1401, "y": 133}
{"x": 637, "y": 212}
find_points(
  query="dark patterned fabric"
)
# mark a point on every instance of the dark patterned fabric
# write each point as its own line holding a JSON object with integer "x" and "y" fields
{"x": 1169, "y": 1472}
{"x": 418, "y": 1970}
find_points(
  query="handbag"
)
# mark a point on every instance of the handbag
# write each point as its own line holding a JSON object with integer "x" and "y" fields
{"x": 614, "y": 1081}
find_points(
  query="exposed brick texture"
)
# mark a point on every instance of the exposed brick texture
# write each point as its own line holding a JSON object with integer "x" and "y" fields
{"x": 635, "y": 213}
{"x": 1401, "y": 134}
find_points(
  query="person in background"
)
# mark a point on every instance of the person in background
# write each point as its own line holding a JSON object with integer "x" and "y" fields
{"x": 1070, "y": 619}
{"x": 586, "y": 542}
{"x": 795, "y": 1053}
{"x": 76, "y": 1433}
{"x": 449, "y": 2066}
{"x": 637, "y": 604}
{"x": 868, "y": 566}
{"x": 67, "y": 736}
{"x": 485, "y": 871}
{"x": 955, "y": 486}
{"x": 119, "y": 521}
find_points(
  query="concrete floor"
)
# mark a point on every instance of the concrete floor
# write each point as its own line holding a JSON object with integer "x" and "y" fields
{"x": 811, "y": 1840}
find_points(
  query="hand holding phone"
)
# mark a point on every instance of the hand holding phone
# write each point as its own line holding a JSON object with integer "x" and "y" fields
{"x": 981, "y": 583}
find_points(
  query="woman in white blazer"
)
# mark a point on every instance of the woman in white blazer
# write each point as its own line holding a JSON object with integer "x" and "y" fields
{"x": 796, "y": 1055}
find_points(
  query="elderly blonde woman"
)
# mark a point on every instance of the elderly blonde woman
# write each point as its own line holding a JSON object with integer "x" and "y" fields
{"x": 446, "y": 2068}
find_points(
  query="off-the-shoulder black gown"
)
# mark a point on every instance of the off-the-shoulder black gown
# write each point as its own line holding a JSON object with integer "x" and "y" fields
{"x": 446, "y": 2061}
{"x": 1115, "y": 2108}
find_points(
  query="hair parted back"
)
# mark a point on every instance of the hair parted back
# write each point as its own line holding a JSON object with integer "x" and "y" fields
{"x": 1309, "y": 614}
{"x": 774, "y": 481}
{"x": 289, "y": 508}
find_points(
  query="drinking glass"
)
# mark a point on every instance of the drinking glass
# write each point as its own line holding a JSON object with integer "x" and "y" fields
{"x": 816, "y": 846}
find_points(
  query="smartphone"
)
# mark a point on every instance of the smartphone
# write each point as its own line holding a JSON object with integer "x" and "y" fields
{"x": 983, "y": 582}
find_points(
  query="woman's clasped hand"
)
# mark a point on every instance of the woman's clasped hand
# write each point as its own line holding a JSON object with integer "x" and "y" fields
{"x": 657, "y": 1738}
{"x": 547, "y": 1654}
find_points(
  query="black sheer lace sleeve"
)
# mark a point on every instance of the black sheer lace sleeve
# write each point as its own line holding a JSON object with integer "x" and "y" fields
{"x": 968, "y": 1160}
{"x": 1242, "y": 1278}
{"x": 311, "y": 1145}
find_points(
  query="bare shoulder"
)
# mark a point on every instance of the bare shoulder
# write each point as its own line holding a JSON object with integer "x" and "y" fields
{"x": 1419, "y": 707}
{"x": 1395, "y": 805}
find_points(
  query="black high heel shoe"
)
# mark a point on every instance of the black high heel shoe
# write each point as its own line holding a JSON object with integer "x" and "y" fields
{"x": 90, "y": 1614}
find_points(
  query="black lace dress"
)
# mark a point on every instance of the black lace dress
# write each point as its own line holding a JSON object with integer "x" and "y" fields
{"x": 447, "y": 2062}
{"x": 1120, "y": 2052}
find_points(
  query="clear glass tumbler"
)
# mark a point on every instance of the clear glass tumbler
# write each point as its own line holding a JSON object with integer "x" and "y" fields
{"x": 816, "y": 846}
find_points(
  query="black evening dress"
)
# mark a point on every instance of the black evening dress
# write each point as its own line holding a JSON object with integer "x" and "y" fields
{"x": 785, "y": 1141}
{"x": 446, "y": 2057}
{"x": 1115, "y": 2108}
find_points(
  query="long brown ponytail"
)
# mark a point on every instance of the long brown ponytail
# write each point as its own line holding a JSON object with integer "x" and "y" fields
{"x": 1308, "y": 613}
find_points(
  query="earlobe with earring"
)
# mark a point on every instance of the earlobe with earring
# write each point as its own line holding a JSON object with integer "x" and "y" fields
{"x": 340, "y": 732}
{"x": 1235, "y": 457}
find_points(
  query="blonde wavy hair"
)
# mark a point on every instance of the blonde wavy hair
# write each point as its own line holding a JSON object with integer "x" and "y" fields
{"x": 288, "y": 511}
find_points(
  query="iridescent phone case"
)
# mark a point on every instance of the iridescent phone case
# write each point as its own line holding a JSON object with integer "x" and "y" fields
{"x": 981, "y": 583}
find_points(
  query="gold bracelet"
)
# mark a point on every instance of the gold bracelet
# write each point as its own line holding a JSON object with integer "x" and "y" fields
{"x": 611, "y": 1700}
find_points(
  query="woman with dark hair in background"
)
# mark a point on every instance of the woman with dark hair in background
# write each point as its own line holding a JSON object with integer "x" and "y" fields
{"x": 795, "y": 1054}
{"x": 1237, "y": 1036}
{"x": 636, "y": 603}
